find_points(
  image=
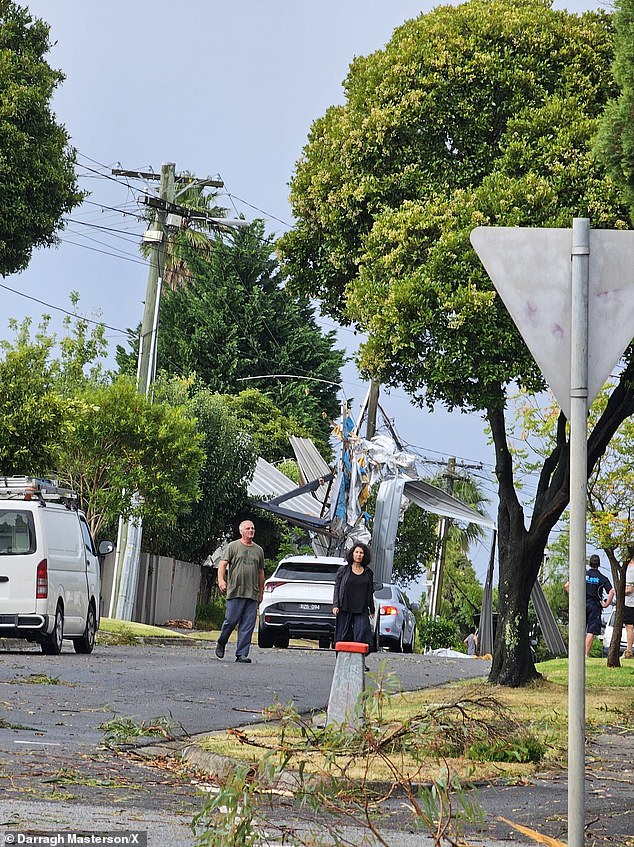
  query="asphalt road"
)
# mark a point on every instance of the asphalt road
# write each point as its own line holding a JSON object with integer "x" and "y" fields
{"x": 55, "y": 770}
{"x": 57, "y": 773}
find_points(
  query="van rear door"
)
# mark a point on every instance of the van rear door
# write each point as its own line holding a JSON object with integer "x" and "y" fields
{"x": 18, "y": 562}
{"x": 66, "y": 564}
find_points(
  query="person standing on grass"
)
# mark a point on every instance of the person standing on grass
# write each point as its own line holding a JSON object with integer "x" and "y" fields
{"x": 241, "y": 577}
{"x": 353, "y": 598}
{"x": 599, "y": 595}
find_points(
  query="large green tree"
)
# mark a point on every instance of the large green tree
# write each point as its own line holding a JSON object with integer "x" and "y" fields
{"x": 482, "y": 113}
{"x": 615, "y": 140}
{"x": 120, "y": 443}
{"x": 36, "y": 162}
{"x": 229, "y": 462}
{"x": 35, "y": 416}
{"x": 234, "y": 320}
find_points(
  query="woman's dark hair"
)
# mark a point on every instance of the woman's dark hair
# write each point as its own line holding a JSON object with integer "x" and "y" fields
{"x": 367, "y": 554}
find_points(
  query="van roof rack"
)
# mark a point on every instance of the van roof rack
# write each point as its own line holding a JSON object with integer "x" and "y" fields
{"x": 33, "y": 488}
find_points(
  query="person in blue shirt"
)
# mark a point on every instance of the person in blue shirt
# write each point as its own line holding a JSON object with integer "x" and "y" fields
{"x": 599, "y": 595}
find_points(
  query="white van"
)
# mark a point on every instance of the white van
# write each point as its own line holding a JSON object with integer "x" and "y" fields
{"x": 49, "y": 567}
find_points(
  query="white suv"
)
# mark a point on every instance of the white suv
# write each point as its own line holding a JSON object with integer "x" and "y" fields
{"x": 297, "y": 602}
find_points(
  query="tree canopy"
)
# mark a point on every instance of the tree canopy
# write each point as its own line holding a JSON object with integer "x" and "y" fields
{"x": 228, "y": 463}
{"x": 36, "y": 161}
{"x": 35, "y": 416}
{"x": 234, "y": 321}
{"x": 120, "y": 442}
{"x": 477, "y": 114}
{"x": 615, "y": 141}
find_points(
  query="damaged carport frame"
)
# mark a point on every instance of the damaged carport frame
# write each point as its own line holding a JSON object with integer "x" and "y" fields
{"x": 308, "y": 507}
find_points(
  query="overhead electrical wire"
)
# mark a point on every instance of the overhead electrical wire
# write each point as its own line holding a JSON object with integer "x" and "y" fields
{"x": 60, "y": 309}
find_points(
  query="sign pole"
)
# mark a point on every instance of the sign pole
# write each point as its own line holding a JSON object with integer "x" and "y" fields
{"x": 578, "y": 505}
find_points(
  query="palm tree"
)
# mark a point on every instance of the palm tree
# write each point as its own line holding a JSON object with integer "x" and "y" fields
{"x": 196, "y": 232}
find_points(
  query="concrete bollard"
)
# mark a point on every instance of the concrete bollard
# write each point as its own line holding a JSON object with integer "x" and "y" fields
{"x": 348, "y": 683}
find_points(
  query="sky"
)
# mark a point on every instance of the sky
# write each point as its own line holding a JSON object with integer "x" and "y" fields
{"x": 222, "y": 89}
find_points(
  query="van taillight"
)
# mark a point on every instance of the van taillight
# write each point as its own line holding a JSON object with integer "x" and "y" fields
{"x": 41, "y": 583}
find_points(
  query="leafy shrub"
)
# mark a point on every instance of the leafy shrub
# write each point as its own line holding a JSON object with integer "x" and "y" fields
{"x": 211, "y": 615}
{"x": 434, "y": 633}
{"x": 518, "y": 748}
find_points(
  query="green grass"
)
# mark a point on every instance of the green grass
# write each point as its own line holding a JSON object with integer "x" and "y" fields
{"x": 136, "y": 630}
{"x": 598, "y": 675}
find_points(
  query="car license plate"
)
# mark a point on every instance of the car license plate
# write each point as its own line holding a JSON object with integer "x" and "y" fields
{"x": 309, "y": 607}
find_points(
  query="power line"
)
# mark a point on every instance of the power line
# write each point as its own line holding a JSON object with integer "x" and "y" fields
{"x": 59, "y": 309}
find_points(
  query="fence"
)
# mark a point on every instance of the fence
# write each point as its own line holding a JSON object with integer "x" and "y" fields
{"x": 168, "y": 589}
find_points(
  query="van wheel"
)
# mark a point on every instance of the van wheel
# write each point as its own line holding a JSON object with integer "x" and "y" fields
{"x": 52, "y": 644}
{"x": 86, "y": 643}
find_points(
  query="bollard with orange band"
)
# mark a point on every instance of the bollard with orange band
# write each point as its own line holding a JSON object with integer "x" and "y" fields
{"x": 348, "y": 683}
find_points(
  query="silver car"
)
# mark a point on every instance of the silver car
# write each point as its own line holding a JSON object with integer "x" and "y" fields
{"x": 397, "y": 620}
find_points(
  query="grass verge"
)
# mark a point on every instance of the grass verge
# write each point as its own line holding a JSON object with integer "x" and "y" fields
{"x": 481, "y": 732}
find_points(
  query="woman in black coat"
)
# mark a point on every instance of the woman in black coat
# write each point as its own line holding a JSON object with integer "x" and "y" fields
{"x": 353, "y": 598}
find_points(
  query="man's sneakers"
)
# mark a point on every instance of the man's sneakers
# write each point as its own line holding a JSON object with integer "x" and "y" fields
{"x": 220, "y": 652}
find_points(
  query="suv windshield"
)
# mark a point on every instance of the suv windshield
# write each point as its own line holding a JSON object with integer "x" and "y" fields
{"x": 17, "y": 532}
{"x": 313, "y": 571}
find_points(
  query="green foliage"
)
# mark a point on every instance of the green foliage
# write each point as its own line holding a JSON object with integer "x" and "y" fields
{"x": 233, "y": 320}
{"x": 524, "y": 747}
{"x": 268, "y": 428}
{"x": 211, "y": 615}
{"x": 434, "y": 633}
{"x": 119, "y": 730}
{"x": 122, "y": 443}
{"x": 35, "y": 417}
{"x": 36, "y": 162}
{"x": 228, "y": 463}
{"x": 615, "y": 141}
{"x": 461, "y": 592}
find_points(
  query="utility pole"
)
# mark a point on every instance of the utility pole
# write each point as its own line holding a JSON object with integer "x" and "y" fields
{"x": 167, "y": 215}
{"x": 156, "y": 236}
{"x": 439, "y": 565}
{"x": 128, "y": 554}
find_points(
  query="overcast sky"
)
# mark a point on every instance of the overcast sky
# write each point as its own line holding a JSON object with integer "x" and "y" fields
{"x": 225, "y": 89}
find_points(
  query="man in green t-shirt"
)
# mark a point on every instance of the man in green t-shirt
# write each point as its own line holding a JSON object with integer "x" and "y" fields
{"x": 241, "y": 576}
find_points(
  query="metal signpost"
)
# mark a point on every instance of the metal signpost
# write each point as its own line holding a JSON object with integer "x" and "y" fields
{"x": 571, "y": 295}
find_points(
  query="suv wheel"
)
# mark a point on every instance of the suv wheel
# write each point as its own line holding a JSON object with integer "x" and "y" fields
{"x": 324, "y": 642}
{"x": 265, "y": 637}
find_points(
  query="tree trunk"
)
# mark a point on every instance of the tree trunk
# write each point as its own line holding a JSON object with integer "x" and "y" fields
{"x": 618, "y": 580}
{"x": 513, "y": 663}
{"x": 521, "y": 550}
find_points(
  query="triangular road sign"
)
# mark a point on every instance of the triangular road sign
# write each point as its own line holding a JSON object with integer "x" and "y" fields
{"x": 531, "y": 271}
